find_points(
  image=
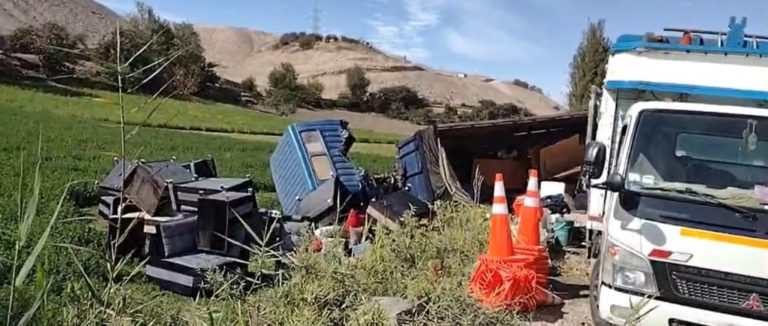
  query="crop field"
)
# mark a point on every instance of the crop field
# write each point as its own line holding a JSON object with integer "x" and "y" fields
{"x": 173, "y": 114}
{"x": 427, "y": 265}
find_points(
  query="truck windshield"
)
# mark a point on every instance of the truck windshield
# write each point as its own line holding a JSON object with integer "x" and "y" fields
{"x": 722, "y": 156}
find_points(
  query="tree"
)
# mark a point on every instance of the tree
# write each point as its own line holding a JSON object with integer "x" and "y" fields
{"x": 283, "y": 77}
{"x": 383, "y": 100}
{"x": 156, "y": 42}
{"x": 588, "y": 65}
{"x": 357, "y": 83}
{"x": 50, "y": 42}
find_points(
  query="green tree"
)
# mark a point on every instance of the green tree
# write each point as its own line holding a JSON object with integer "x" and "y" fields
{"x": 174, "y": 47}
{"x": 383, "y": 100}
{"x": 357, "y": 83}
{"x": 283, "y": 77}
{"x": 588, "y": 65}
{"x": 49, "y": 42}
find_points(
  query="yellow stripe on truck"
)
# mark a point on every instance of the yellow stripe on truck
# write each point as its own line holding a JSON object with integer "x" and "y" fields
{"x": 722, "y": 237}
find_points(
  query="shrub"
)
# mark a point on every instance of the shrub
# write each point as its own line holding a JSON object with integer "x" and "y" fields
{"x": 306, "y": 42}
{"x": 357, "y": 83}
{"x": 520, "y": 83}
{"x": 282, "y": 101}
{"x": 46, "y": 42}
{"x": 248, "y": 84}
{"x": 315, "y": 87}
{"x": 331, "y": 38}
{"x": 288, "y": 38}
{"x": 349, "y": 40}
{"x": 487, "y": 104}
{"x": 311, "y": 93}
{"x": 283, "y": 77}
{"x": 382, "y": 100}
{"x": 316, "y": 37}
{"x": 345, "y": 100}
{"x": 450, "y": 114}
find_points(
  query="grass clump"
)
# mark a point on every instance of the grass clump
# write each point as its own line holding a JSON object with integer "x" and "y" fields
{"x": 427, "y": 264}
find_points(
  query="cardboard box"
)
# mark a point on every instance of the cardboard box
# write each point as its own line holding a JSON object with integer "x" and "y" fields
{"x": 515, "y": 171}
{"x": 560, "y": 157}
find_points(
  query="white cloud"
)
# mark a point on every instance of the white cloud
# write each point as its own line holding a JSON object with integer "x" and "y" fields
{"x": 403, "y": 35}
{"x": 423, "y": 13}
{"x": 488, "y": 33}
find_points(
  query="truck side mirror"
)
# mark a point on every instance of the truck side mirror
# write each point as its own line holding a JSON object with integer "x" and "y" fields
{"x": 594, "y": 159}
{"x": 614, "y": 182}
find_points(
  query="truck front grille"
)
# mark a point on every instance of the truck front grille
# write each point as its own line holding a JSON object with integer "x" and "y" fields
{"x": 697, "y": 288}
{"x": 713, "y": 290}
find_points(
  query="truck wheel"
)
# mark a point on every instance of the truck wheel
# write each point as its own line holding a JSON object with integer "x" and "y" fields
{"x": 594, "y": 291}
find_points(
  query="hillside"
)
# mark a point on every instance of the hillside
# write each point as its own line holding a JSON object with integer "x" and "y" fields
{"x": 244, "y": 53}
{"x": 86, "y": 17}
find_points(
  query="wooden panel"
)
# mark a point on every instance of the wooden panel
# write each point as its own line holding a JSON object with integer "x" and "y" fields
{"x": 560, "y": 157}
{"x": 515, "y": 171}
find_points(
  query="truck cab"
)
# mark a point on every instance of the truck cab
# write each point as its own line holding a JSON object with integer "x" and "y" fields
{"x": 678, "y": 180}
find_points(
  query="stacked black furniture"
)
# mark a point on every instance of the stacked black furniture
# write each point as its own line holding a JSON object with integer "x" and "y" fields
{"x": 177, "y": 264}
{"x": 197, "y": 221}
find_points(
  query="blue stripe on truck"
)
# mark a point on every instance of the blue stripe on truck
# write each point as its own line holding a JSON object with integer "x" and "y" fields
{"x": 687, "y": 89}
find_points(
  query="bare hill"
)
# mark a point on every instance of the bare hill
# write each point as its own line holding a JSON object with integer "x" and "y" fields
{"x": 86, "y": 17}
{"x": 242, "y": 53}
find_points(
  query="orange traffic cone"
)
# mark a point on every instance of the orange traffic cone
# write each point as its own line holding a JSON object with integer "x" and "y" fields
{"x": 528, "y": 239}
{"x": 500, "y": 279}
{"x": 531, "y": 212}
{"x": 500, "y": 238}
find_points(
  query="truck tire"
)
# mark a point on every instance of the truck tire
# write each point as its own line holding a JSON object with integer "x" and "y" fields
{"x": 594, "y": 289}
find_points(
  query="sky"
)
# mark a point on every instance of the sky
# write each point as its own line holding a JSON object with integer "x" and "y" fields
{"x": 531, "y": 40}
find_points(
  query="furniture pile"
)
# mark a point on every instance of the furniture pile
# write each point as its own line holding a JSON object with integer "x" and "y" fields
{"x": 185, "y": 218}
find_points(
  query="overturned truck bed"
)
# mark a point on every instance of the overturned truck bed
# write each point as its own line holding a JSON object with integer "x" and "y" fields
{"x": 459, "y": 160}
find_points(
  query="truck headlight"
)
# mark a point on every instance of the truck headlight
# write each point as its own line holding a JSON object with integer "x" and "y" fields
{"x": 625, "y": 269}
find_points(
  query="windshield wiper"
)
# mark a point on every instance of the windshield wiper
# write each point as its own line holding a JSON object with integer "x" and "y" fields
{"x": 740, "y": 212}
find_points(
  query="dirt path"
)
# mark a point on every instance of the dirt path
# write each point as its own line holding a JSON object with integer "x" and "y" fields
{"x": 573, "y": 287}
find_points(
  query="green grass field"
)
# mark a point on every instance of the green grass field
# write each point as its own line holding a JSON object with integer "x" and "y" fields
{"x": 101, "y": 105}
{"x": 430, "y": 265}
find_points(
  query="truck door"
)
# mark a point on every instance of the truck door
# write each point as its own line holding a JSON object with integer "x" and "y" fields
{"x": 412, "y": 168}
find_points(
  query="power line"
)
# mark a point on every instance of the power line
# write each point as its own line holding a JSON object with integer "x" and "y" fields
{"x": 316, "y": 18}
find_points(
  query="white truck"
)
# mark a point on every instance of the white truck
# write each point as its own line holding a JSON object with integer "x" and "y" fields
{"x": 677, "y": 168}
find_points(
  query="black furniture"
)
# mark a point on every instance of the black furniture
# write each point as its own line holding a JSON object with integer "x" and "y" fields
{"x": 187, "y": 194}
{"x": 177, "y": 264}
{"x": 219, "y": 215}
{"x": 108, "y": 206}
{"x": 205, "y": 168}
